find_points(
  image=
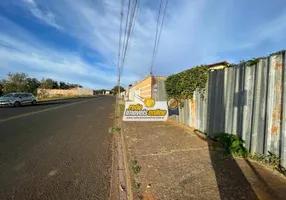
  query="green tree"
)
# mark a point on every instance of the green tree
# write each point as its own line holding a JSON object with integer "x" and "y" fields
{"x": 1, "y": 88}
{"x": 47, "y": 83}
{"x": 32, "y": 84}
{"x": 101, "y": 91}
{"x": 55, "y": 85}
{"x": 115, "y": 90}
{"x": 63, "y": 85}
{"x": 15, "y": 83}
{"x": 74, "y": 85}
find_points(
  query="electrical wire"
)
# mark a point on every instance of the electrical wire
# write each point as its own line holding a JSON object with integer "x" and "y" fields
{"x": 156, "y": 37}
{"x": 161, "y": 27}
{"x": 160, "y": 22}
{"x": 119, "y": 46}
{"x": 130, "y": 21}
{"x": 125, "y": 32}
{"x": 130, "y": 30}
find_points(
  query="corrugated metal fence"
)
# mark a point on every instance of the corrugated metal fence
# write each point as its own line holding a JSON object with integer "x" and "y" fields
{"x": 158, "y": 91}
{"x": 248, "y": 101}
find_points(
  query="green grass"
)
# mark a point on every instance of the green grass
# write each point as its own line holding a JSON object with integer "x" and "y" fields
{"x": 121, "y": 108}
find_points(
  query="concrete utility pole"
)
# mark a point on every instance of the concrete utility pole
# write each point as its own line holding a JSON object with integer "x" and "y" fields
{"x": 118, "y": 85}
{"x": 119, "y": 49}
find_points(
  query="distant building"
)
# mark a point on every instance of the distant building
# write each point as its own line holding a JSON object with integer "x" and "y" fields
{"x": 107, "y": 92}
{"x": 127, "y": 89}
{"x": 218, "y": 65}
{"x": 144, "y": 88}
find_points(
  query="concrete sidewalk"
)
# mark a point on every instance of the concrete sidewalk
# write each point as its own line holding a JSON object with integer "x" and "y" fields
{"x": 178, "y": 163}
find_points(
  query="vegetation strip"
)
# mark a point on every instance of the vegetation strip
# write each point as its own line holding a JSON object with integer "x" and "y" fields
{"x": 234, "y": 145}
{"x": 183, "y": 85}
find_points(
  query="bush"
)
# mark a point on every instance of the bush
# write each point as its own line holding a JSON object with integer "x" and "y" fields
{"x": 184, "y": 84}
{"x": 232, "y": 144}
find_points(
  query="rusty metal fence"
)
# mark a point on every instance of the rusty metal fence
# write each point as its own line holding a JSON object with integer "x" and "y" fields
{"x": 248, "y": 101}
{"x": 158, "y": 91}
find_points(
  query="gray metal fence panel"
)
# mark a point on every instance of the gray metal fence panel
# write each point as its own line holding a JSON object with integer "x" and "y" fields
{"x": 159, "y": 92}
{"x": 211, "y": 104}
{"x": 202, "y": 106}
{"x": 235, "y": 101}
{"x": 258, "y": 115}
{"x": 248, "y": 107}
{"x": 221, "y": 106}
{"x": 224, "y": 100}
{"x": 277, "y": 104}
{"x": 270, "y": 97}
{"x": 240, "y": 99}
{"x": 198, "y": 112}
{"x": 187, "y": 109}
{"x": 204, "y": 111}
{"x": 229, "y": 96}
{"x": 283, "y": 126}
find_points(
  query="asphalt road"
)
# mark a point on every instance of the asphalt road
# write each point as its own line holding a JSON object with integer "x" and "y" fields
{"x": 7, "y": 112}
{"x": 56, "y": 151}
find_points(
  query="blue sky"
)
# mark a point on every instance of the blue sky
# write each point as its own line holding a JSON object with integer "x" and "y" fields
{"x": 77, "y": 41}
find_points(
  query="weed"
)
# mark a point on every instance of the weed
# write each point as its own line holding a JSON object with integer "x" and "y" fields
{"x": 140, "y": 196}
{"x": 270, "y": 159}
{"x": 278, "y": 52}
{"x": 232, "y": 144}
{"x": 281, "y": 169}
{"x": 253, "y": 61}
{"x": 114, "y": 129}
{"x": 137, "y": 186}
{"x": 135, "y": 167}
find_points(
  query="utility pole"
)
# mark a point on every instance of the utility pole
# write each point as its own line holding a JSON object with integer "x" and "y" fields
{"x": 119, "y": 49}
{"x": 118, "y": 85}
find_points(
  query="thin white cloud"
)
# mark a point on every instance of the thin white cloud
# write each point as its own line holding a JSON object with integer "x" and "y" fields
{"x": 45, "y": 16}
{"x": 273, "y": 29}
{"x": 32, "y": 2}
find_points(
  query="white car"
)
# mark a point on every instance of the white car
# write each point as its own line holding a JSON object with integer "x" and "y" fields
{"x": 17, "y": 99}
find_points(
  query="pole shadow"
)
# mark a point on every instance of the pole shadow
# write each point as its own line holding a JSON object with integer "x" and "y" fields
{"x": 231, "y": 181}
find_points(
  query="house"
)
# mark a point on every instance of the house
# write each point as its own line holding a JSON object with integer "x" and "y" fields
{"x": 218, "y": 65}
{"x": 106, "y": 92}
{"x": 143, "y": 88}
{"x": 127, "y": 89}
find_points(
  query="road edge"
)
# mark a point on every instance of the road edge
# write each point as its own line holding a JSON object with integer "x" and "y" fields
{"x": 120, "y": 183}
{"x": 125, "y": 158}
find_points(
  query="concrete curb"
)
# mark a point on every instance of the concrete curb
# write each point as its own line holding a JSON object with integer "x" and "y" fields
{"x": 120, "y": 184}
{"x": 126, "y": 165}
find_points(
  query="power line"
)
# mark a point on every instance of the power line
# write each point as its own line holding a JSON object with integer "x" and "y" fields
{"x": 161, "y": 27}
{"x": 128, "y": 31}
{"x": 156, "y": 37}
{"x": 119, "y": 46}
{"x": 125, "y": 32}
{"x": 160, "y": 22}
{"x": 131, "y": 24}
